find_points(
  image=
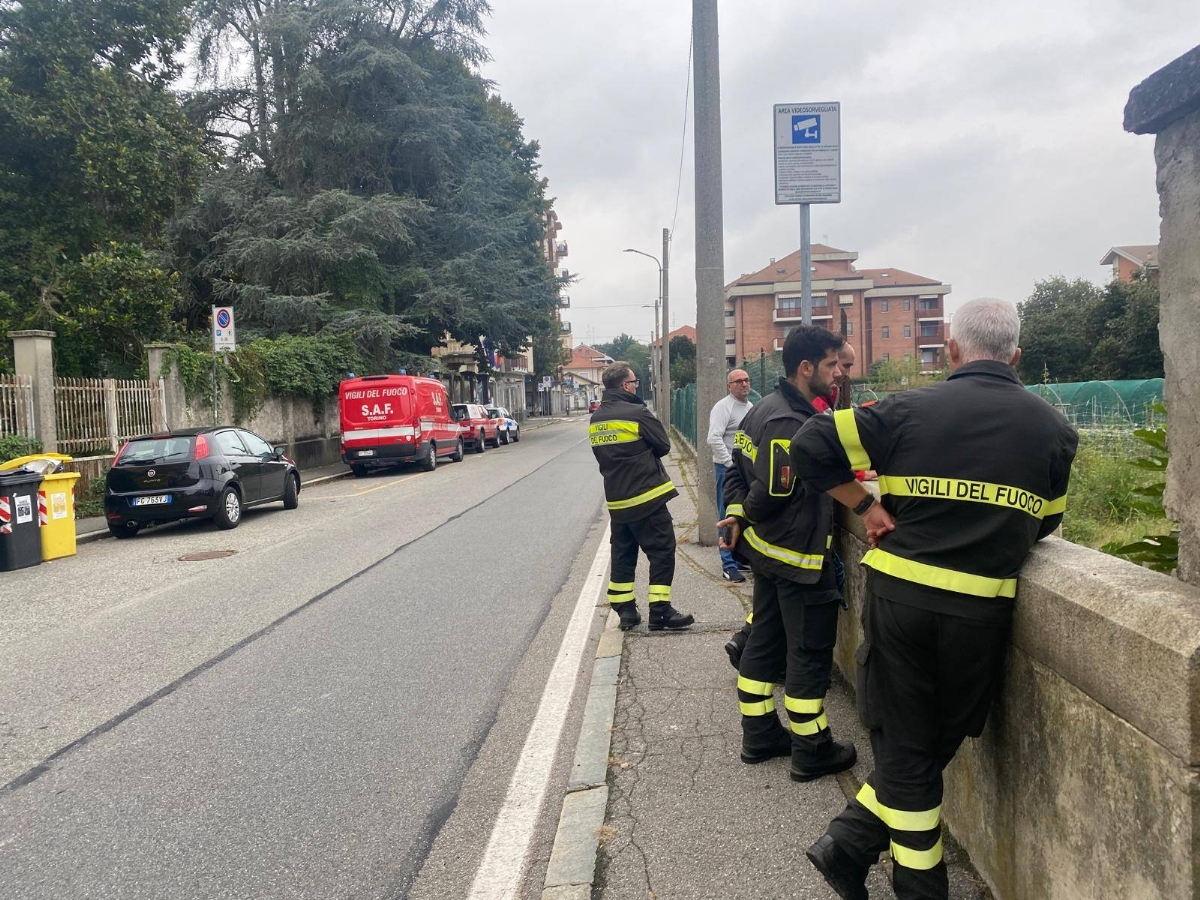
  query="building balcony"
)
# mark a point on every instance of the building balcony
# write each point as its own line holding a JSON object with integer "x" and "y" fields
{"x": 931, "y": 335}
{"x": 564, "y": 327}
{"x": 564, "y": 302}
{"x": 791, "y": 314}
{"x": 560, "y": 249}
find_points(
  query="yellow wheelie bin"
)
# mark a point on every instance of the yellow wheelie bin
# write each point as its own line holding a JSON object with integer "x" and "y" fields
{"x": 56, "y": 502}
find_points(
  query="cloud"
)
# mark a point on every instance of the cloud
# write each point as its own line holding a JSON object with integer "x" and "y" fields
{"x": 982, "y": 142}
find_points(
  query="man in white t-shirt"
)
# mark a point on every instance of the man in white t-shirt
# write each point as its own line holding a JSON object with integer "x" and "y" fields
{"x": 723, "y": 423}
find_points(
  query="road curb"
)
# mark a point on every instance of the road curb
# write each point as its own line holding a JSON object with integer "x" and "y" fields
{"x": 572, "y": 869}
{"x": 90, "y": 537}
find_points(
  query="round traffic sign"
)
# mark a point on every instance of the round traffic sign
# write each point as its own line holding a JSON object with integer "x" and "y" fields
{"x": 223, "y": 318}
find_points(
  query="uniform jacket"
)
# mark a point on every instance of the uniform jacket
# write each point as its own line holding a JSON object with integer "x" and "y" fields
{"x": 786, "y": 529}
{"x": 628, "y": 442}
{"x": 974, "y": 470}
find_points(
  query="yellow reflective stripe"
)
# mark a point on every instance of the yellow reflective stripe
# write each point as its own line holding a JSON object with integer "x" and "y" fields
{"x": 900, "y": 819}
{"x": 936, "y": 576}
{"x": 787, "y": 483}
{"x": 829, "y": 542}
{"x": 1004, "y": 495}
{"x": 1055, "y": 507}
{"x": 760, "y": 708}
{"x": 799, "y": 705}
{"x": 783, "y": 555}
{"x": 621, "y": 586}
{"x": 847, "y": 431}
{"x": 750, "y": 619}
{"x": 917, "y": 859}
{"x": 620, "y": 598}
{"x": 660, "y": 593}
{"x": 735, "y": 509}
{"x": 806, "y": 728}
{"x": 750, "y": 686}
{"x": 642, "y": 498}
{"x": 613, "y": 432}
{"x": 741, "y": 441}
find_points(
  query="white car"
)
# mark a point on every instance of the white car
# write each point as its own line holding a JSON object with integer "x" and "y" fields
{"x": 507, "y": 428}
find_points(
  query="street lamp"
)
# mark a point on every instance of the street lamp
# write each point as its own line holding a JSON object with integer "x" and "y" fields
{"x": 661, "y": 399}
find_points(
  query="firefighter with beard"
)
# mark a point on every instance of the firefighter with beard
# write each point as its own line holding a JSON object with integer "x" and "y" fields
{"x": 629, "y": 443}
{"x": 784, "y": 533}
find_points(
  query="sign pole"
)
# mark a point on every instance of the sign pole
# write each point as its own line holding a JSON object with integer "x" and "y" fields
{"x": 214, "y": 397}
{"x": 806, "y": 305}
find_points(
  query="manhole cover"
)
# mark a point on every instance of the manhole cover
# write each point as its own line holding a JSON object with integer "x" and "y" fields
{"x": 206, "y": 554}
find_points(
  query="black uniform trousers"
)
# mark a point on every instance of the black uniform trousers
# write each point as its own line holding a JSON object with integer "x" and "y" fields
{"x": 795, "y": 626}
{"x": 655, "y": 535}
{"x": 925, "y": 682}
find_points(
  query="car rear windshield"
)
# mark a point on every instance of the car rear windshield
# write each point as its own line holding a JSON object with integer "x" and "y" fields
{"x": 460, "y": 412}
{"x": 147, "y": 451}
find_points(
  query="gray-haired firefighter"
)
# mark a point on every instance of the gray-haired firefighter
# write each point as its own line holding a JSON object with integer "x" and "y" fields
{"x": 629, "y": 443}
{"x": 784, "y": 533}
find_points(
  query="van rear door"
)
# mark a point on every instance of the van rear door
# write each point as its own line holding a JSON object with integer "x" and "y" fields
{"x": 376, "y": 410}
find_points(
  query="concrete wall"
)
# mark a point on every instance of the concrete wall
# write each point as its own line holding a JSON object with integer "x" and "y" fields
{"x": 1083, "y": 784}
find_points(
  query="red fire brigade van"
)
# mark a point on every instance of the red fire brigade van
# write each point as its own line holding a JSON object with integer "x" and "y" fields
{"x": 388, "y": 420}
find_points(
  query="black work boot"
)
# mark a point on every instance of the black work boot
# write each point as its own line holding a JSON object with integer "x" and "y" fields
{"x": 629, "y": 615}
{"x": 736, "y": 644}
{"x": 664, "y": 615}
{"x": 754, "y": 755}
{"x": 831, "y": 758}
{"x": 842, "y": 873}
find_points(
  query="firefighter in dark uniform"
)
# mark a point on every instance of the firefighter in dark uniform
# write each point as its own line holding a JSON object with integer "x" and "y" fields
{"x": 784, "y": 533}
{"x": 629, "y": 443}
{"x": 972, "y": 472}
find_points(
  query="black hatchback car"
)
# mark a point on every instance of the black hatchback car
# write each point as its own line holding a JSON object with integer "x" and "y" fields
{"x": 196, "y": 473}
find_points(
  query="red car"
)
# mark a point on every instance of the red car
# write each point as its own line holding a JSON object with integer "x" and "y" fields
{"x": 477, "y": 428}
{"x": 593, "y": 405}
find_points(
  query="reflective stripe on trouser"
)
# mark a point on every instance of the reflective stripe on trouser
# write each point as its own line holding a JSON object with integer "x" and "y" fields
{"x": 620, "y": 592}
{"x": 660, "y": 593}
{"x": 755, "y": 698}
{"x": 655, "y": 536}
{"x": 794, "y": 628}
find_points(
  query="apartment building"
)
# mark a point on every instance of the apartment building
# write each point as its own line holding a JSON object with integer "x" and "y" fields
{"x": 886, "y": 313}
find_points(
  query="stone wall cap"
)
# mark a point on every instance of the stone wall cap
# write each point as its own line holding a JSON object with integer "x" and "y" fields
{"x": 1166, "y": 96}
{"x": 32, "y": 333}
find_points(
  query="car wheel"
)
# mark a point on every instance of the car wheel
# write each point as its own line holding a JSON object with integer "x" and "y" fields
{"x": 503, "y": 437}
{"x": 229, "y": 509}
{"x": 123, "y": 529}
{"x": 291, "y": 492}
{"x": 359, "y": 471}
{"x": 516, "y": 436}
{"x": 496, "y": 439}
{"x": 457, "y": 455}
{"x": 430, "y": 463}
{"x": 480, "y": 444}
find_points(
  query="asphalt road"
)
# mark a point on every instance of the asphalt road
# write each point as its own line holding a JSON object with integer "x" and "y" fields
{"x": 332, "y": 711}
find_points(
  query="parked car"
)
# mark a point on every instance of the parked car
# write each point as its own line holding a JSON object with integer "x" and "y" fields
{"x": 478, "y": 428}
{"x": 593, "y": 405}
{"x": 196, "y": 473}
{"x": 509, "y": 428}
{"x": 390, "y": 420}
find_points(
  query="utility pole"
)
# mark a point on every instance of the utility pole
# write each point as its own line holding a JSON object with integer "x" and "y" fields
{"x": 664, "y": 375}
{"x": 710, "y": 252}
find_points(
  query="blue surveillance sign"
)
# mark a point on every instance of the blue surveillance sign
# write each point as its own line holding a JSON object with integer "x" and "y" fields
{"x": 808, "y": 153}
{"x": 806, "y": 129}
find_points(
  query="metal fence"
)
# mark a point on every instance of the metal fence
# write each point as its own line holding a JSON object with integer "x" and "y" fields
{"x": 98, "y": 414}
{"x": 16, "y": 405}
{"x": 683, "y": 412}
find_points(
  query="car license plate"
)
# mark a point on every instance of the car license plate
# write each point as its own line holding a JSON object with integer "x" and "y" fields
{"x": 157, "y": 500}
{"x": 366, "y": 452}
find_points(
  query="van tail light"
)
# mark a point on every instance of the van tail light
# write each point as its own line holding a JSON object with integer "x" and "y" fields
{"x": 201, "y": 447}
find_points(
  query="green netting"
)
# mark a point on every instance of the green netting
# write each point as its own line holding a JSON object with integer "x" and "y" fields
{"x": 1095, "y": 403}
{"x": 683, "y": 411}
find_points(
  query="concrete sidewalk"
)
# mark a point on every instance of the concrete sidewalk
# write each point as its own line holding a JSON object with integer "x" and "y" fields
{"x": 685, "y": 817}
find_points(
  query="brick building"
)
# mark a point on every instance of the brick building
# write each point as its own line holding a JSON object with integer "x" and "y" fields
{"x": 885, "y": 313}
{"x": 1128, "y": 261}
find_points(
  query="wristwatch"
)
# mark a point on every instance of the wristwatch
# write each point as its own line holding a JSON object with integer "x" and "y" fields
{"x": 867, "y": 502}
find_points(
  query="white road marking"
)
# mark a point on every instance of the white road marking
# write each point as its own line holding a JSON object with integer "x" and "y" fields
{"x": 499, "y": 873}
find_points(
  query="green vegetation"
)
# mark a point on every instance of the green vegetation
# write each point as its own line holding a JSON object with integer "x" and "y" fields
{"x": 627, "y": 348}
{"x": 13, "y": 446}
{"x": 343, "y": 172}
{"x": 683, "y": 361}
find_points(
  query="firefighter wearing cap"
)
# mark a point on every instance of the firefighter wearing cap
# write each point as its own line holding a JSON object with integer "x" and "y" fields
{"x": 784, "y": 533}
{"x": 972, "y": 472}
{"x": 629, "y": 443}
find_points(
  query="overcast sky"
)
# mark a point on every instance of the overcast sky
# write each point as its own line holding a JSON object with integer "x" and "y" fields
{"x": 982, "y": 141}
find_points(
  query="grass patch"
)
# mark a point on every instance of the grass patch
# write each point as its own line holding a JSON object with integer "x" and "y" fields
{"x": 1102, "y": 503}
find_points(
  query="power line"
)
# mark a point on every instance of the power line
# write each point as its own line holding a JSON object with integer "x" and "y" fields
{"x": 687, "y": 94}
